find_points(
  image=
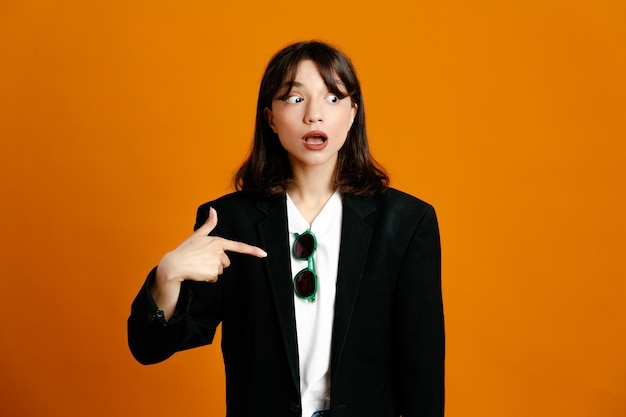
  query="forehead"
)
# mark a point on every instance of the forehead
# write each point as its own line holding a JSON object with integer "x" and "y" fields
{"x": 308, "y": 71}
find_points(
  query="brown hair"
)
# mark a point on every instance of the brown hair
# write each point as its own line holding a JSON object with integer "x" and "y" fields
{"x": 267, "y": 169}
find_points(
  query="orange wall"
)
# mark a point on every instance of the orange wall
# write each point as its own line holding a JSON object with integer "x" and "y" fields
{"x": 117, "y": 119}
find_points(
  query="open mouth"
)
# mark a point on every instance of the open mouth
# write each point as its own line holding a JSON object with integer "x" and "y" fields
{"x": 315, "y": 138}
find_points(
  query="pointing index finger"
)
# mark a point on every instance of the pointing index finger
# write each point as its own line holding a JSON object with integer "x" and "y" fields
{"x": 244, "y": 248}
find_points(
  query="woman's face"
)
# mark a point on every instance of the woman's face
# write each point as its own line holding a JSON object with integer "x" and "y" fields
{"x": 312, "y": 123}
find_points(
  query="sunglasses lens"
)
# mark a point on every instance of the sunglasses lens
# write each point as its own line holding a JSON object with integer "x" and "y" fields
{"x": 304, "y": 245}
{"x": 304, "y": 283}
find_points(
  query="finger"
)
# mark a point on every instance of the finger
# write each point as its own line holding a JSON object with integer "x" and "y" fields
{"x": 214, "y": 276}
{"x": 224, "y": 260}
{"x": 209, "y": 224}
{"x": 240, "y": 247}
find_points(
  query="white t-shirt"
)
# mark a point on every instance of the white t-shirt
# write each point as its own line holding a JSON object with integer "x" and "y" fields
{"x": 314, "y": 320}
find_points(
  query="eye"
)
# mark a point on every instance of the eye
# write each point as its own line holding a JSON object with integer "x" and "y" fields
{"x": 332, "y": 99}
{"x": 294, "y": 99}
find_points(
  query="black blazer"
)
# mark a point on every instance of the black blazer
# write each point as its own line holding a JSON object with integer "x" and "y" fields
{"x": 388, "y": 335}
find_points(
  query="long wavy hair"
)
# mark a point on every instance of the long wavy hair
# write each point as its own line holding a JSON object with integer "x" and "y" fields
{"x": 267, "y": 169}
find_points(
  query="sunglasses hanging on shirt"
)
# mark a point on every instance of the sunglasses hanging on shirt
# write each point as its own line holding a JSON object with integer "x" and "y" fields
{"x": 305, "y": 282}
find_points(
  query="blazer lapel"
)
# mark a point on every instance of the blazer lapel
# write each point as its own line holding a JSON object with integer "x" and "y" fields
{"x": 355, "y": 240}
{"x": 274, "y": 237}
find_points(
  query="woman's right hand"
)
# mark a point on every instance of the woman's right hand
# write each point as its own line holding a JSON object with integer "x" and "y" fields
{"x": 198, "y": 258}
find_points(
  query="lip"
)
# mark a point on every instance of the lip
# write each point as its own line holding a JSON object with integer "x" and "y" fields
{"x": 315, "y": 146}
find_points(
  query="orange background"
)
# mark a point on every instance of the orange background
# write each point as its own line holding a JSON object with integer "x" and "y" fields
{"x": 118, "y": 118}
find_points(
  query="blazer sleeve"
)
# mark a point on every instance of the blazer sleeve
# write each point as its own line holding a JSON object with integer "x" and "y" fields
{"x": 198, "y": 313}
{"x": 419, "y": 331}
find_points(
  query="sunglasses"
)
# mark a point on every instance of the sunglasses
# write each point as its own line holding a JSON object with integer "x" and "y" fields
{"x": 305, "y": 282}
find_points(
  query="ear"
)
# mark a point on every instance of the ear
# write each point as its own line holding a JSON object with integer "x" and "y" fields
{"x": 355, "y": 108}
{"x": 269, "y": 116}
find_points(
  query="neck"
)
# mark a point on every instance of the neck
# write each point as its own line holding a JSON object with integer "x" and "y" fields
{"x": 310, "y": 190}
{"x": 312, "y": 181}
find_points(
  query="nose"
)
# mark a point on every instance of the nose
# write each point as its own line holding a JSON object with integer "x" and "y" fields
{"x": 313, "y": 113}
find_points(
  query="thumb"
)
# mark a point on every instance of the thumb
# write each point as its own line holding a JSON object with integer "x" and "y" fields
{"x": 209, "y": 224}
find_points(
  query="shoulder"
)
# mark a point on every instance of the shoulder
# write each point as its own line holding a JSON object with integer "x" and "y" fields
{"x": 234, "y": 200}
{"x": 400, "y": 198}
{"x": 391, "y": 207}
{"x": 237, "y": 206}
{"x": 399, "y": 202}
{"x": 403, "y": 207}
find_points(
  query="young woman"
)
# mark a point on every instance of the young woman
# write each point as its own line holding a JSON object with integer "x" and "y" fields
{"x": 330, "y": 295}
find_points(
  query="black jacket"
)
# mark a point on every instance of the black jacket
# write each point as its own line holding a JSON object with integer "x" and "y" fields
{"x": 388, "y": 335}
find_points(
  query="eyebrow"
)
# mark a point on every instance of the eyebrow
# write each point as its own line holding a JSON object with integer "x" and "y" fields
{"x": 288, "y": 84}
{"x": 292, "y": 84}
